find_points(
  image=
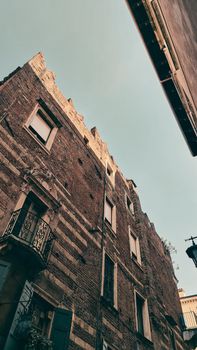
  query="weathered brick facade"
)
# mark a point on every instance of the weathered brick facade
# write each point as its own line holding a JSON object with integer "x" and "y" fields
{"x": 71, "y": 184}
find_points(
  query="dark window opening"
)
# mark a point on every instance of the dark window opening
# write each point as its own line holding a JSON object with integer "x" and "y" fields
{"x": 108, "y": 292}
{"x": 109, "y": 172}
{"x": 98, "y": 172}
{"x": 140, "y": 321}
{"x": 172, "y": 340}
{"x": 41, "y": 315}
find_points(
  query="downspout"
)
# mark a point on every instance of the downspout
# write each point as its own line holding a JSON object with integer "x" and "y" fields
{"x": 99, "y": 308}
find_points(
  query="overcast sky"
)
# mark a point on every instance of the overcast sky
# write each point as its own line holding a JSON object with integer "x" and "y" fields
{"x": 100, "y": 62}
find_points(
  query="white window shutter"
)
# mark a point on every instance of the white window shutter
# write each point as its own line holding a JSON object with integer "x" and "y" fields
{"x": 40, "y": 126}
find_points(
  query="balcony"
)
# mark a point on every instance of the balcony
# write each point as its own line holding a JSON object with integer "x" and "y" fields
{"x": 189, "y": 325}
{"x": 190, "y": 319}
{"x": 31, "y": 234}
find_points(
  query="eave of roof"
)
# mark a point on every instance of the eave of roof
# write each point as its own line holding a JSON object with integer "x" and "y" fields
{"x": 164, "y": 73}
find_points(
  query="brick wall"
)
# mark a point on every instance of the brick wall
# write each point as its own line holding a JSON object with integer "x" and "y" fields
{"x": 71, "y": 179}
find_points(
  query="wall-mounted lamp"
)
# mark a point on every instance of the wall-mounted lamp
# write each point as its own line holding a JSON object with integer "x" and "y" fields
{"x": 192, "y": 251}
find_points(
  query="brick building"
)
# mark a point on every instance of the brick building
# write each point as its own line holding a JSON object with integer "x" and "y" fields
{"x": 81, "y": 265}
{"x": 169, "y": 32}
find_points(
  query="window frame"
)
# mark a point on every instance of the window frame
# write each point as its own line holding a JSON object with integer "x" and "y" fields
{"x": 145, "y": 316}
{"x": 112, "y": 224}
{"x": 110, "y": 174}
{"x": 115, "y": 299}
{"x": 40, "y": 111}
{"x": 129, "y": 204}
{"x": 41, "y": 115}
{"x": 134, "y": 253}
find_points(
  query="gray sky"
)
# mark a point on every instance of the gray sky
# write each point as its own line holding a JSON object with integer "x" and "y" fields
{"x": 100, "y": 62}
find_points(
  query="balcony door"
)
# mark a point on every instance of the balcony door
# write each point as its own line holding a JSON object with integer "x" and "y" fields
{"x": 31, "y": 212}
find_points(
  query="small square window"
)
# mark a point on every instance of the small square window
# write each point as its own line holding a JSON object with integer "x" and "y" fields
{"x": 40, "y": 127}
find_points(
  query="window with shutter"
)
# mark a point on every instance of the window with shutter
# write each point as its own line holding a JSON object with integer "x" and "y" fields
{"x": 108, "y": 211}
{"x": 40, "y": 127}
{"x": 134, "y": 246}
{"x": 142, "y": 316}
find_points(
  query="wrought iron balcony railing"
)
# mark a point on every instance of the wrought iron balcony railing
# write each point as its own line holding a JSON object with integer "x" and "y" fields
{"x": 32, "y": 231}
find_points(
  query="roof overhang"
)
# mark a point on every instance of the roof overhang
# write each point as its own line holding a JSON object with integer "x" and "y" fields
{"x": 164, "y": 72}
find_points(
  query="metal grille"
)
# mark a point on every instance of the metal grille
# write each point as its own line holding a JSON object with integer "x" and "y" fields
{"x": 32, "y": 230}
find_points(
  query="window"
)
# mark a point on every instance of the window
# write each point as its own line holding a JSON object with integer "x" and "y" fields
{"x": 134, "y": 247}
{"x": 172, "y": 340}
{"x": 139, "y": 306}
{"x": 142, "y": 317}
{"x": 106, "y": 346}
{"x": 110, "y": 214}
{"x": 108, "y": 211}
{"x": 110, "y": 173}
{"x": 108, "y": 291}
{"x": 42, "y": 313}
{"x": 129, "y": 205}
{"x": 40, "y": 127}
{"x": 61, "y": 328}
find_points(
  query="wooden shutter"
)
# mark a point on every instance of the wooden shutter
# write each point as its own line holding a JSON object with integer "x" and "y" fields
{"x": 108, "y": 211}
{"x": 41, "y": 127}
{"x": 61, "y": 326}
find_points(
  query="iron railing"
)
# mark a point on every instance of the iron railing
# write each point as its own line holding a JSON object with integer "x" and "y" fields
{"x": 31, "y": 230}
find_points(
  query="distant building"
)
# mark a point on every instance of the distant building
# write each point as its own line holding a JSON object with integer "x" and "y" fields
{"x": 189, "y": 307}
{"x": 81, "y": 265}
{"x": 169, "y": 31}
